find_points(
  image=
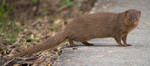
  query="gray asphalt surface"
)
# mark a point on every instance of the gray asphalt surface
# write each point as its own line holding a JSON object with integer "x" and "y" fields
{"x": 106, "y": 52}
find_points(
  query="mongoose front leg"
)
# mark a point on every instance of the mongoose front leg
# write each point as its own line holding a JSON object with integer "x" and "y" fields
{"x": 71, "y": 43}
{"x": 124, "y": 39}
{"x": 118, "y": 40}
{"x": 88, "y": 44}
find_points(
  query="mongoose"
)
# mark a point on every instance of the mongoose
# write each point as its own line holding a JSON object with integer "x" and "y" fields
{"x": 98, "y": 25}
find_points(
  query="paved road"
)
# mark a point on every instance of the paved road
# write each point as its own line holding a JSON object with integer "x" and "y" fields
{"x": 106, "y": 52}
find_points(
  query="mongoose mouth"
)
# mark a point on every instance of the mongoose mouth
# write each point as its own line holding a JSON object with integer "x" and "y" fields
{"x": 133, "y": 16}
{"x": 134, "y": 21}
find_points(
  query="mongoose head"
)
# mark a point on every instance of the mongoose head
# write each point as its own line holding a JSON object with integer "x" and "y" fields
{"x": 132, "y": 17}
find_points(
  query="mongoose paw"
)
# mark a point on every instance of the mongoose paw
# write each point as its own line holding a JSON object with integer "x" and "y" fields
{"x": 89, "y": 44}
{"x": 73, "y": 45}
{"x": 121, "y": 45}
{"x": 127, "y": 45}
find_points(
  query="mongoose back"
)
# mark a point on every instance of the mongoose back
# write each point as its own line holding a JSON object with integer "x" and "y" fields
{"x": 98, "y": 25}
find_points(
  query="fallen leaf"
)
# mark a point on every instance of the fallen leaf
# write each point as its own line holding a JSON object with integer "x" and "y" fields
{"x": 32, "y": 36}
{"x": 18, "y": 23}
{"x": 74, "y": 48}
{"x": 49, "y": 65}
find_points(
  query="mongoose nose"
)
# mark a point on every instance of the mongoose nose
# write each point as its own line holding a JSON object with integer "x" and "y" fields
{"x": 133, "y": 19}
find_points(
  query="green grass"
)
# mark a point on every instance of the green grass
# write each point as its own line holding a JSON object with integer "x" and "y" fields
{"x": 2, "y": 13}
{"x": 2, "y": 9}
{"x": 8, "y": 29}
{"x": 34, "y": 1}
{"x": 67, "y": 2}
{"x": 53, "y": 28}
{"x": 59, "y": 53}
{"x": 51, "y": 17}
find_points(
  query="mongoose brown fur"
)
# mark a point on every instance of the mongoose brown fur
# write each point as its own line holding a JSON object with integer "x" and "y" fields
{"x": 98, "y": 25}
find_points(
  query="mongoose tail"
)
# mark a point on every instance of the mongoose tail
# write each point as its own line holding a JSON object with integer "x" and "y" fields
{"x": 49, "y": 43}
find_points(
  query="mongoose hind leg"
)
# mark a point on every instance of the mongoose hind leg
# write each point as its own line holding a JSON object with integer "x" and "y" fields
{"x": 88, "y": 44}
{"x": 71, "y": 43}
